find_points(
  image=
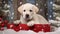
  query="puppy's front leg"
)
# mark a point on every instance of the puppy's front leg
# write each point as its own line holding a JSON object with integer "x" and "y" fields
{"x": 17, "y": 22}
{"x": 31, "y": 23}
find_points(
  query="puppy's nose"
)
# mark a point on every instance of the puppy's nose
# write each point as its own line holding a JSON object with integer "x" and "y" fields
{"x": 27, "y": 15}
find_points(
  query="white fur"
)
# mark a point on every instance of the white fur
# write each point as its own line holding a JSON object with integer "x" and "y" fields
{"x": 35, "y": 18}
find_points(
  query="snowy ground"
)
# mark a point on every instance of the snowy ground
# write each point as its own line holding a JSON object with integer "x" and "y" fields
{"x": 9, "y": 31}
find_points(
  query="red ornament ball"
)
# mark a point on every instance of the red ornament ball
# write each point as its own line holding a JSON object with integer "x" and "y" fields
{"x": 37, "y": 27}
{"x": 2, "y": 28}
{"x": 16, "y": 28}
{"x": 46, "y": 28}
{"x": 6, "y": 21}
{"x": 2, "y": 24}
{"x": 10, "y": 26}
{"x": 23, "y": 27}
{"x": 0, "y": 19}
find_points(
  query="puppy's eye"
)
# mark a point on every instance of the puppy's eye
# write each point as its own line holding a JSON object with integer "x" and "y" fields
{"x": 30, "y": 10}
{"x": 24, "y": 10}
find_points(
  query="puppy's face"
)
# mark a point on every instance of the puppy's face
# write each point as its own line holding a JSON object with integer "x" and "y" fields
{"x": 27, "y": 11}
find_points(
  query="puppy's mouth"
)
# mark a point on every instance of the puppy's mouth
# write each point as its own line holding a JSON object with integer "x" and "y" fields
{"x": 27, "y": 19}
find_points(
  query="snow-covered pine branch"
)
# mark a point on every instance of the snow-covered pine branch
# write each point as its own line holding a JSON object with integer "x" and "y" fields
{"x": 56, "y": 7}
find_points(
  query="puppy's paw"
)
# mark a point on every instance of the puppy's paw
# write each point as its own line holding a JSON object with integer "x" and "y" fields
{"x": 17, "y": 22}
{"x": 30, "y": 23}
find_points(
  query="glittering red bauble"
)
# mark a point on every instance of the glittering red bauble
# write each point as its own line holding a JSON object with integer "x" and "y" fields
{"x": 16, "y": 28}
{"x": 2, "y": 24}
{"x": 37, "y": 27}
{"x": 6, "y": 21}
{"x": 23, "y": 27}
{"x": 10, "y": 26}
{"x": 0, "y": 19}
{"x": 46, "y": 28}
{"x": 2, "y": 28}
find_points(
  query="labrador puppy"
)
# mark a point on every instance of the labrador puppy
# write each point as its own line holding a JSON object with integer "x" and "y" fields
{"x": 29, "y": 15}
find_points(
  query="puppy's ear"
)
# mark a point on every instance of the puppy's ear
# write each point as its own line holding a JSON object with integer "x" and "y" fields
{"x": 20, "y": 9}
{"x": 35, "y": 8}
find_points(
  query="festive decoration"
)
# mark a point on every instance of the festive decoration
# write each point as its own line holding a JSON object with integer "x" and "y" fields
{"x": 46, "y": 28}
{"x": 0, "y": 19}
{"x": 42, "y": 27}
{"x": 10, "y": 26}
{"x": 6, "y": 21}
{"x": 2, "y": 24}
{"x": 2, "y": 28}
{"x": 38, "y": 27}
{"x": 18, "y": 27}
{"x": 23, "y": 27}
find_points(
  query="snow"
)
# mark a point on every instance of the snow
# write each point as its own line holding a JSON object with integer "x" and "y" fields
{"x": 10, "y": 31}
